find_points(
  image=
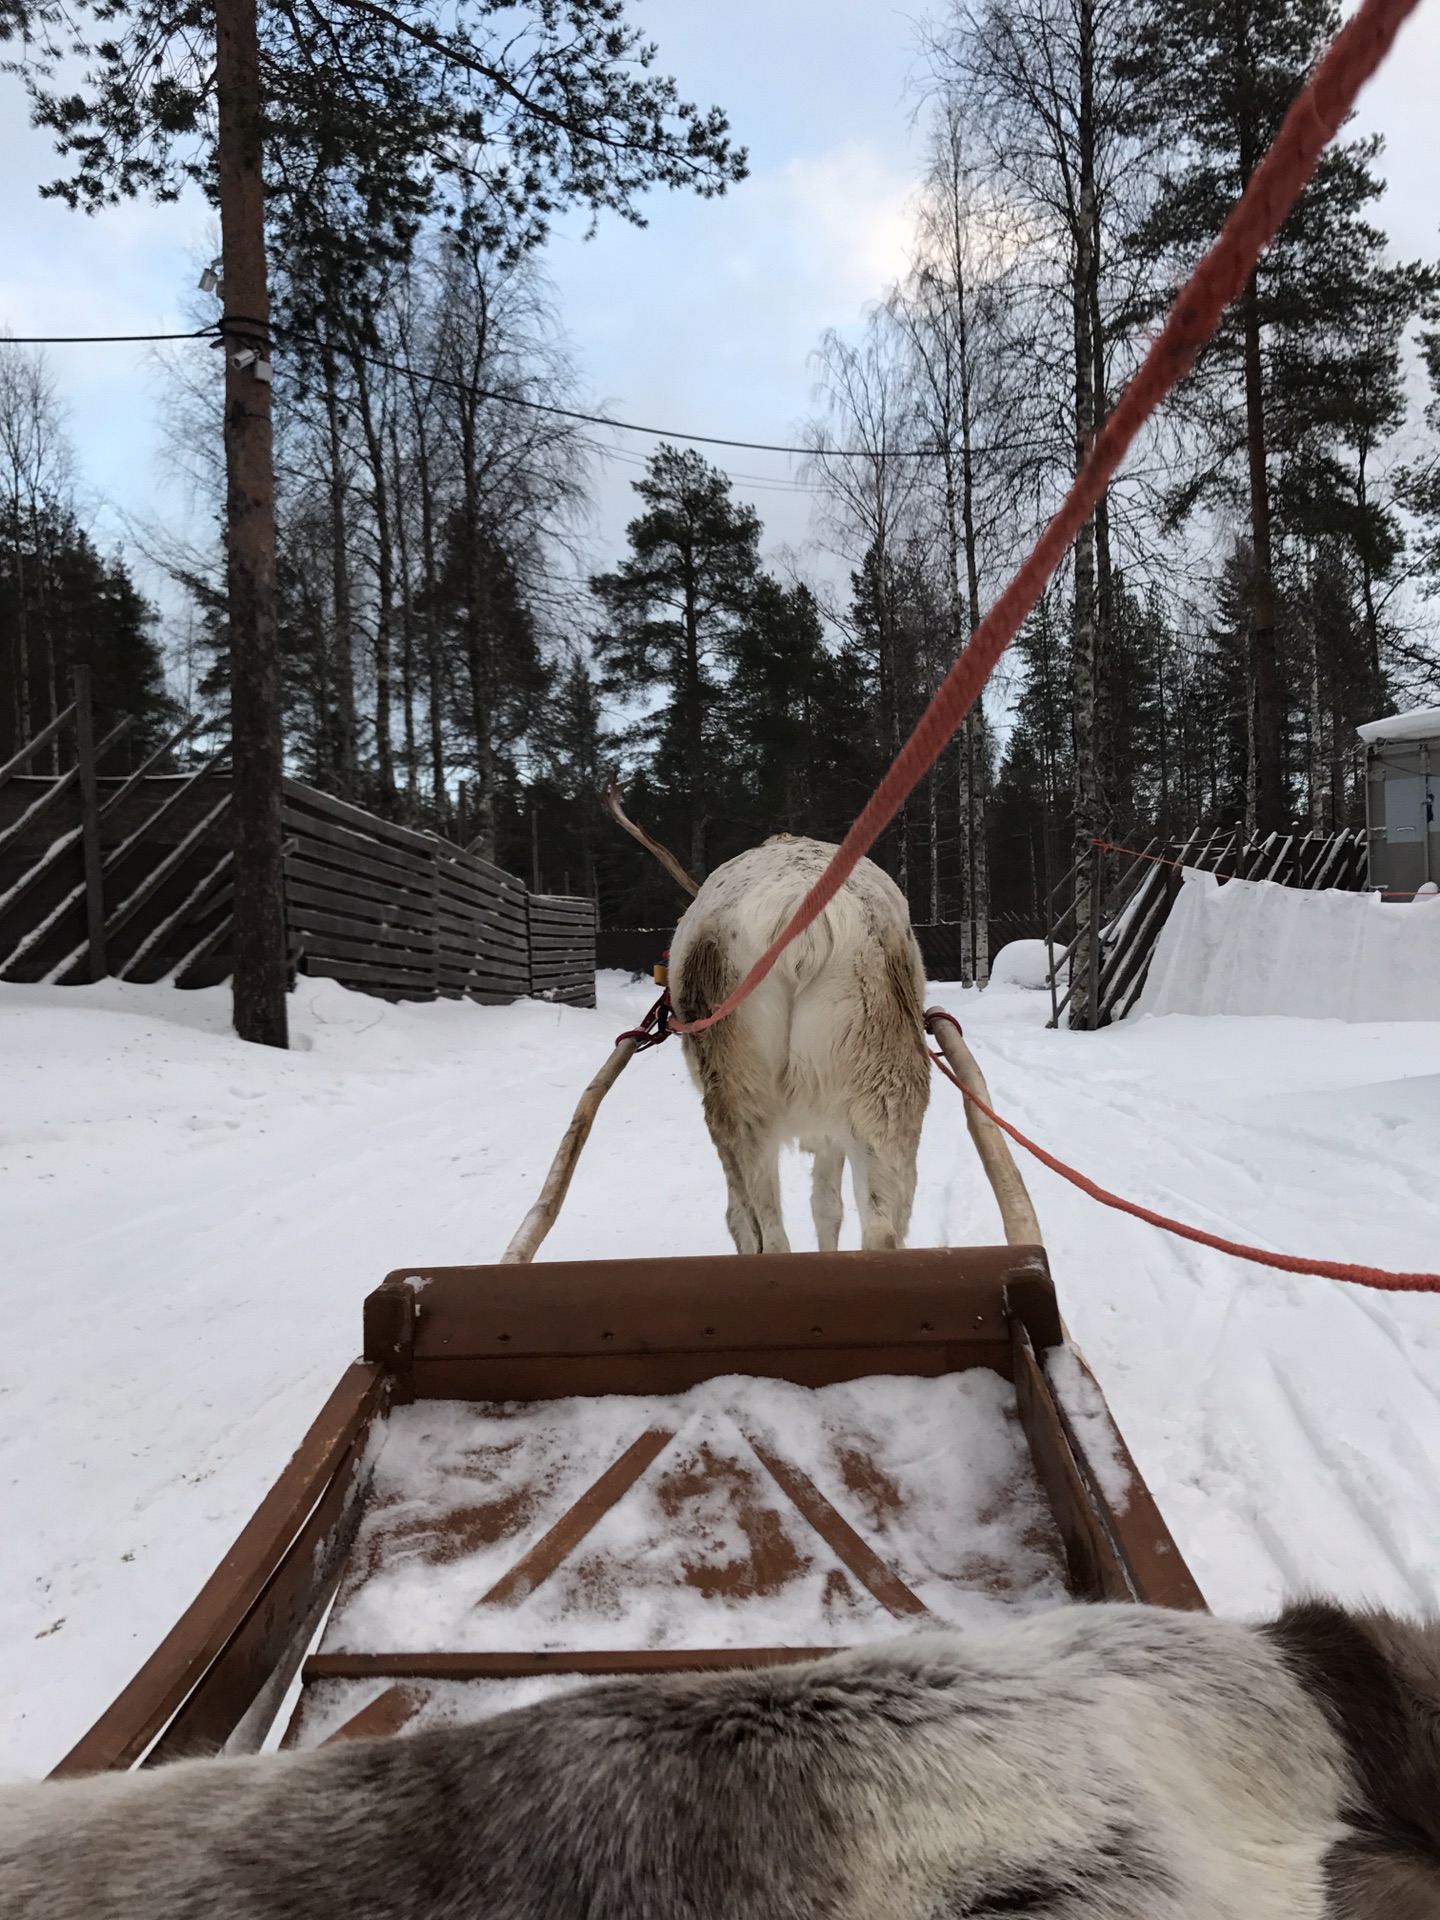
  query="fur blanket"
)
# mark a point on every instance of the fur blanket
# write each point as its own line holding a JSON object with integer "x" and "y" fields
{"x": 1115, "y": 1763}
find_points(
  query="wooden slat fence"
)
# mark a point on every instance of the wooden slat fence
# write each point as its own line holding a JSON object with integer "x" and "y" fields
{"x": 375, "y": 905}
{"x": 562, "y": 943}
{"x": 484, "y": 932}
{"x": 360, "y": 896}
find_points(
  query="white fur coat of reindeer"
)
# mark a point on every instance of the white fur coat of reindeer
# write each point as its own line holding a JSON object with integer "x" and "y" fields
{"x": 828, "y": 1051}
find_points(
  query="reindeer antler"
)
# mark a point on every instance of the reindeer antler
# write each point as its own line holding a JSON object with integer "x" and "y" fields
{"x": 614, "y": 796}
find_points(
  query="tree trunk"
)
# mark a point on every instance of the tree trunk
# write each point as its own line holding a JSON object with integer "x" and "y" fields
{"x": 965, "y": 852}
{"x": 973, "y": 749}
{"x": 434, "y": 666}
{"x": 1162, "y": 738}
{"x": 47, "y": 624}
{"x": 261, "y": 958}
{"x": 1084, "y": 998}
{"x": 347, "y": 757}
{"x": 1104, "y": 571}
{"x": 479, "y": 649}
{"x": 933, "y": 824}
{"x": 1367, "y": 589}
{"x": 22, "y": 636}
{"x": 374, "y": 432}
{"x": 694, "y": 724}
{"x": 316, "y": 612}
{"x": 890, "y": 707}
{"x": 1267, "y": 718}
{"x": 1318, "y": 772}
{"x": 976, "y": 745}
{"x": 407, "y": 615}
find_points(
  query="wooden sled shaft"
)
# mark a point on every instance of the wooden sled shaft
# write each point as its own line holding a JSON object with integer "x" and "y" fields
{"x": 543, "y": 1215}
{"x": 1017, "y": 1211}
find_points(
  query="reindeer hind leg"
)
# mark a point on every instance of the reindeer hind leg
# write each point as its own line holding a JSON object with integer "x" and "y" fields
{"x": 740, "y": 1216}
{"x": 757, "y": 1164}
{"x": 825, "y": 1201}
{"x": 889, "y": 1188}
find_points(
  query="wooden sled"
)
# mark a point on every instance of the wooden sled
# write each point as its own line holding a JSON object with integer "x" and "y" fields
{"x": 506, "y": 1556}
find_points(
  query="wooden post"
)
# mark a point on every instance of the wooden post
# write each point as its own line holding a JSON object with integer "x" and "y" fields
{"x": 1093, "y": 941}
{"x": 90, "y": 823}
{"x": 261, "y": 959}
{"x": 534, "y": 850}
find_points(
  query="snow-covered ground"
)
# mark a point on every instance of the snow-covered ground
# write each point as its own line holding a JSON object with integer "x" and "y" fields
{"x": 188, "y": 1226}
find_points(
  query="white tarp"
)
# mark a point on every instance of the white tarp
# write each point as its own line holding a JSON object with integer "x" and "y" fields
{"x": 1251, "y": 946}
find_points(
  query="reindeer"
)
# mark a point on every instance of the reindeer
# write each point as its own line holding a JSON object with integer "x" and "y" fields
{"x": 829, "y": 1050}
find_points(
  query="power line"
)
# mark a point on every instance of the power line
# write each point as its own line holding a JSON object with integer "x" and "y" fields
{"x": 96, "y": 339}
{"x": 433, "y": 378}
{"x": 605, "y": 420}
{"x": 662, "y": 433}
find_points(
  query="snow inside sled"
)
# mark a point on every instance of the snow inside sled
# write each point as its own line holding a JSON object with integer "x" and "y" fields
{"x": 540, "y": 1474}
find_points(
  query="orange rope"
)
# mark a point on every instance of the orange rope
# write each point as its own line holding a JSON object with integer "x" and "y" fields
{"x": 1379, "y": 1277}
{"x": 1312, "y": 121}
{"x": 1160, "y": 859}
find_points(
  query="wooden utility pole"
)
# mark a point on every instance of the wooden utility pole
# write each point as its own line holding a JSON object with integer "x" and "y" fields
{"x": 257, "y": 755}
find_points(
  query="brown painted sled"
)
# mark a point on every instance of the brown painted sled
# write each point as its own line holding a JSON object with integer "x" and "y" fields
{"x": 509, "y": 1337}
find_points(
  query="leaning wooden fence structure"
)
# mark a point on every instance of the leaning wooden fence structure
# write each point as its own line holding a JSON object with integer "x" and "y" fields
{"x": 128, "y": 876}
{"x": 1132, "y": 891}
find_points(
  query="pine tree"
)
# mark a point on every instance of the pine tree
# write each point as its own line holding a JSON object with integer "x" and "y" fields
{"x": 89, "y": 612}
{"x": 568, "y": 775}
{"x": 794, "y": 715}
{"x": 674, "y": 606}
{"x": 62, "y": 603}
{"x": 1418, "y": 669}
{"x": 1033, "y": 822}
{"x": 1304, "y": 369}
{"x": 502, "y": 676}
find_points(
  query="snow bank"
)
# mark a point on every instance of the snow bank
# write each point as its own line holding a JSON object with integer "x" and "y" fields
{"x": 1022, "y": 966}
{"x": 1252, "y": 947}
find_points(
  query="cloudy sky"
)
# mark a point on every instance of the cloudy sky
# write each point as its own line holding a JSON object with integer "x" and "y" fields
{"x": 703, "y": 320}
